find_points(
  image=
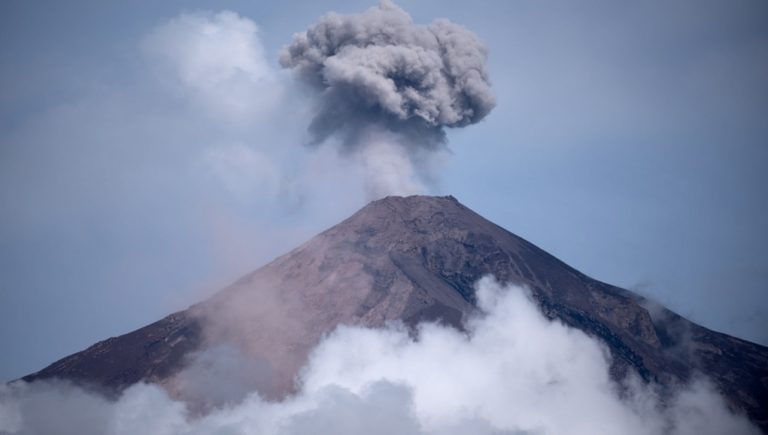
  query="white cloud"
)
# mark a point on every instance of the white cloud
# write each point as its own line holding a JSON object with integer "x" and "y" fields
{"x": 512, "y": 372}
{"x": 220, "y": 59}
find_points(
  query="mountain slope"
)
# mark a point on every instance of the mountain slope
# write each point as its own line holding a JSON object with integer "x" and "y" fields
{"x": 413, "y": 259}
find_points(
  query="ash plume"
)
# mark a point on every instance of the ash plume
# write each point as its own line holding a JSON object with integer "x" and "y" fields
{"x": 380, "y": 73}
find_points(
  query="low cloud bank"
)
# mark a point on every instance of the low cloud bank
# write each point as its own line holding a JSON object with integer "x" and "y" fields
{"x": 512, "y": 372}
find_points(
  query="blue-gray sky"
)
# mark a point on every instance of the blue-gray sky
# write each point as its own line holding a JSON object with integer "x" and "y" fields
{"x": 137, "y": 176}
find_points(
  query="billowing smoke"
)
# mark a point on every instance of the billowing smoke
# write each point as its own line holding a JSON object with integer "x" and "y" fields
{"x": 379, "y": 72}
{"x": 511, "y": 372}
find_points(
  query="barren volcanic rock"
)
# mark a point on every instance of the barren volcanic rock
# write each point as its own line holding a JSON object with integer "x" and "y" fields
{"x": 414, "y": 259}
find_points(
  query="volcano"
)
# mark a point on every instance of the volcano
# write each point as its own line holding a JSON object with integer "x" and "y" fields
{"x": 413, "y": 259}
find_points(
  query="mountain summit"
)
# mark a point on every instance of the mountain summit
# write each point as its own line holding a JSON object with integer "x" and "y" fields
{"x": 412, "y": 259}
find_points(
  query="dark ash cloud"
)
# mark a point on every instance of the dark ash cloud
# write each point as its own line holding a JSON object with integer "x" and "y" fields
{"x": 378, "y": 70}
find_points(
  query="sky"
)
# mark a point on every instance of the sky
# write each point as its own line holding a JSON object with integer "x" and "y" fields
{"x": 151, "y": 153}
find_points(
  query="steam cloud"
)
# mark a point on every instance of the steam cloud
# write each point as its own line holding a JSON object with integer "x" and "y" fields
{"x": 378, "y": 74}
{"x": 512, "y": 372}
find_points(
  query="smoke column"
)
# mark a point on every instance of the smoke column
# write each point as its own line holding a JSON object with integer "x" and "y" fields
{"x": 383, "y": 82}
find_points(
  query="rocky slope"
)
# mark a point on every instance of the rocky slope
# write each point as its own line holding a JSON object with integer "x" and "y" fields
{"x": 414, "y": 259}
